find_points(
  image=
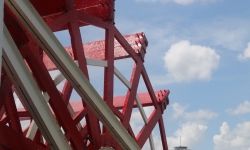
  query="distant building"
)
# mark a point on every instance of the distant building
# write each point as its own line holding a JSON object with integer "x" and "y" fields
{"x": 181, "y": 148}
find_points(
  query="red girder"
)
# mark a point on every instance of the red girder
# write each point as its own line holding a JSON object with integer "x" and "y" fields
{"x": 96, "y": 50}
{"x": 100, "y": 9}
{"x": 11, "y": 112}
{"x": 40, "y": 72}
{"x": 118, "y": 103}
{"x": 4, "y": 90}
{"x": 131, "y": 94}
{"x": 10, "y": 139}
{"x": 70, "y": 15}
{"x": 79, "y": 54}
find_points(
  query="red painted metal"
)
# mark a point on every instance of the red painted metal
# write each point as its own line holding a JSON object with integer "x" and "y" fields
{"x": 118, "y": 103}
{"x": 10, "y": 139}
{"x": 163, "y": 134}
{"x": 41, "y": 74}
{"x": 11, "y": 112}
{"x": 96, "y": 50}
{"x": 71, "y": 15}
{"x": 131, "y": 94}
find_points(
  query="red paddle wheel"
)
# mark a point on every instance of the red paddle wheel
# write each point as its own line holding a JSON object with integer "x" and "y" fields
{"x": 48, "y": 117}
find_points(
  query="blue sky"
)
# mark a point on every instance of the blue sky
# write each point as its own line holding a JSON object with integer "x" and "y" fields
{"x": 201, "y": 41}
{"x": 200, "y": 51}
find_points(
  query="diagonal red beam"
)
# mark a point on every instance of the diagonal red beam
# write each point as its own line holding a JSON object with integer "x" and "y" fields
{"x": 60, "y": 21}
{"x": 131, "y": 94}
{"x": 14, "y": 140}
{"x": 79, "y": 54}
{"x": 78, "y": 117}
{"x": 156, "y": 116}
{"x": 11, "y": 111}
{"x": 126, "y": 45}
{"x": 148, "y": 128}
{"x": 85, "y": 18}
{"x": 66, "y": 92}
{"x": 149, "y": 87}
{"x": 117, "y": 112}
{"x": 56, "y": 101}
{"x": 76, "y": 41}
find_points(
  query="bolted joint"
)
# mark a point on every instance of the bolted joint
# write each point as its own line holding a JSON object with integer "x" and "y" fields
{"x": 163, "y": 99}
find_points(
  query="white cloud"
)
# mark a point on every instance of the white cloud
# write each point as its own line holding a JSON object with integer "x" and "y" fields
{"x": 182, "y": 2}
{"x": 240, "y": 109}
{"x": 213, "y": 33}
{"x": 232, "y": 41}
{"x": 235, "y": 139}
{"x": 195, "y": 116}
{"x": 246, "y": 53}
{"x": 191, "y": 135}
{"x": 186, "y": 62}
{"x": 200, "y": 114}
{"x": 178, "y": 110}
{"x": 192, "y": 132}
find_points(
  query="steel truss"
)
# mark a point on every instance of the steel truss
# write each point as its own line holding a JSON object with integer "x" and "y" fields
{"x": 31, "y": 51}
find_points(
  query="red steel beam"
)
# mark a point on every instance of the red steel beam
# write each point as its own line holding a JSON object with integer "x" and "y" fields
{"x": 85, "y": 18}
{"x": 109, "y": 70}
{"x": 40, "y": 72}
{"x": 61, "y": 20}
{"x": 66, "y": 92}
{"x": 4, "y": 90}
{"x": 11, "y": 139}
{"x": 155, "y": 117}
{"x": 144, "y": 98}
{"x": 148, "y": 128}
{"x": 124, "y": 43}
{"x": 131, "y": 94}
{"x": 50, "y": 10}
{"x": 79, "y": 54}
{"x": 118, "y": 103}
{"x": 149, "y": 87}
{"x": 163, "y": 134}
{"x": 76, "y": 41}
{"x": 96, "y": 50}
{"x": 11, "y": 111}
